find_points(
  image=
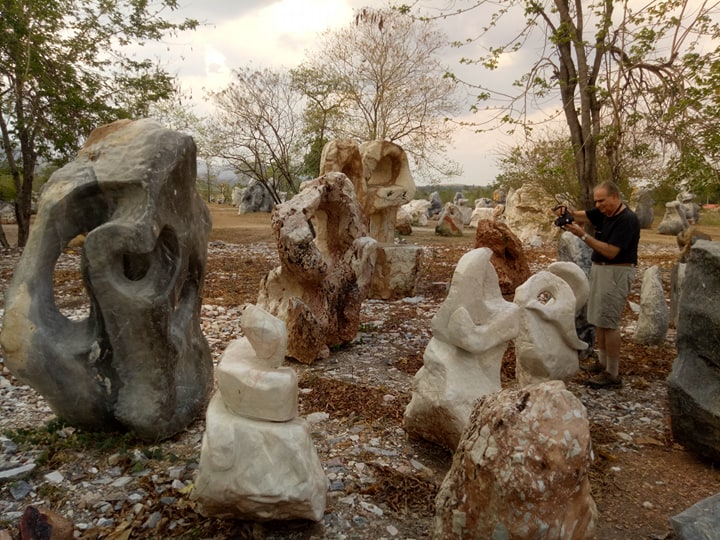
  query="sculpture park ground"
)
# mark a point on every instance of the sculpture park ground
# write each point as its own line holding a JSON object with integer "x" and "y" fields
{"x": 382, "y": 484}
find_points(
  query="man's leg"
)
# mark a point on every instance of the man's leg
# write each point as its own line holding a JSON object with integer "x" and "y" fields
{"x": 602, "y": 347}
{"x": 611, "y": 338}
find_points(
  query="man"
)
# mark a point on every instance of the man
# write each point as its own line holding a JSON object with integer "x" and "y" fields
{"x": 614, "y": 258}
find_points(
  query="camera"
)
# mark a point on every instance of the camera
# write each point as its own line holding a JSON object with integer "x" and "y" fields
{"x": 565, "y": 218}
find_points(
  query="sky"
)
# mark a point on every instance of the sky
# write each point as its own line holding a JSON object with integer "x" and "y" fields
{"x": 276, "y": 33}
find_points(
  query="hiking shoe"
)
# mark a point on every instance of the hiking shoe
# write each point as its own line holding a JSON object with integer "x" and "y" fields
{"x": 593, "y": 367}
{"x": 604, "y": 380}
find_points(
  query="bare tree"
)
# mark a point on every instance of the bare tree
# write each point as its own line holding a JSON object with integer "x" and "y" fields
{"x": 610, "y": 69}
{"x": 385, "y": 66}
{"x": 258, "y": 122}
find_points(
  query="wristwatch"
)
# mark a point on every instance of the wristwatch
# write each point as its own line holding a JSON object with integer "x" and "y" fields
{"x": 583, "y": 237}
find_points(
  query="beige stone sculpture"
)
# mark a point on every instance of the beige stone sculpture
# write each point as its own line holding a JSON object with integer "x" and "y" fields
{"x": 380, "y": 174}
{"x": 547, "y": 345}
{"x": 326, "y": 266}
{"x": 257, "y": 459}
{"x": 462, "y": 362}
{"x": 520, "y": 470}
{"x": 528, "y": 212}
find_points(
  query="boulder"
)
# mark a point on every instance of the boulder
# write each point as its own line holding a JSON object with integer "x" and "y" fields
{"x": 674, "y": 220}
{"x": 654, "y": 317}
{"x": 694, "y": 383}
{"x": 508, "y": 256}
{"x": 685, "y": 240}
{"x": 139, "y": 360}
{"x": 641, "y": 202}
{"x": 326, "y": 267}
{"x": 481, "y": 214}
{"x": 403, "y": 222}
{"x": 471, "y": 331}
{"x": 528, "y": 213}
{"x": 699, "y": 522}
{"x": 436, "y": 205}
{"x": 417, "y": 208}
{"x": 520, "y": 470}
{"x": 255, "y": 198}
{"x": 451, "y": 221}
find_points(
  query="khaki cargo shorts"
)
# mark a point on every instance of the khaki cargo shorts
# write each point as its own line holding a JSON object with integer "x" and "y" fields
{"x": 609, "y": 289}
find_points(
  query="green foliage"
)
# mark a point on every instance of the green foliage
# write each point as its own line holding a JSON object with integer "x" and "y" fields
{"x": 7, "y": 188}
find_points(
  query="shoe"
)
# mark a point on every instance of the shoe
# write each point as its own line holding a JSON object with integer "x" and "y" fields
{"x": 593, "y": 367}
{"x": 604, "y": 380}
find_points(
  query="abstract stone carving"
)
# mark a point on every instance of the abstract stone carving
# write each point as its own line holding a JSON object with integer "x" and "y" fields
{"x": 471, "y": 331}
{"x": 694, "y": 383}
{"x": 380, "y": 173}
{"x": 436, "y": 205}
{"x": 255, "y": 198}
{"x": 547, "y": 345}
{"x": 641, "y": 202}
{"x": 528, "y": 214}
{"x": 139, "y": 360}
{"x": 326, "y": 265}
{"x": 520, "y": 470}
{"x": 674, "y": 220}
{"x": 257, "y": 459}
{"x": 418, "y": 209}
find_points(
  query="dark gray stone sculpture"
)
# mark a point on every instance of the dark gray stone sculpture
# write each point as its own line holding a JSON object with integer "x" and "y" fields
{"x": 572, "y": 249}
{"x": 699, "y": 522}
{"x": 139, "y": 360}
{"x": 694, "y": 383}
{"x": 255, "y": 198}
{"x": 436, "y": 205}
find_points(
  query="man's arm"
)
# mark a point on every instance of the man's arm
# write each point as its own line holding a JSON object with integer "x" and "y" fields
{"x": 608, "y": 251}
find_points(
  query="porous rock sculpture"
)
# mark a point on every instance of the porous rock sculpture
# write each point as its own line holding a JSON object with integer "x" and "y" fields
{"x": 694, "y": 383}
{"x": 528, "y": 213}
{"x": 520, "y": 470}
{"x": 139, "y": 360}
{"x": 471, "y": 331}
{"x": 547, "y": 345}
{"x": 326, "y": 266}
{"x": 380, "y": 173}
{"x": 257, "y": 459}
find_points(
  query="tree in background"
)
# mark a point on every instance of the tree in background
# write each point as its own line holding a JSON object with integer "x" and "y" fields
{"x": 63, "y": 71}
{"x": 258, "y": 123}
{"x": 611, "y": 69}
{"x": 389, "y": 84}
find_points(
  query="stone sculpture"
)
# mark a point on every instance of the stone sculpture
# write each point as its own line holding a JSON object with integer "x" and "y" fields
{"x": 403, "y": 222}
{"x": 674, "y": 220}
{"x": 255, "y": 198}
{"x": 380, "y": 174}
{"x": 641, "y": 202}
{"x": 654, "y": 317}
{"x": 694, "y": 383}
{"x": 689, "y": 206}
{"x": 686, "y": 239}
{"x": 499, "y": 196}
{"x": 528, "y": 213}
{"x": 508, "y": 257}
{"x": 326, "y": 265}
{"x": 436, "y": 205}
{"x": 257, "y": 459}
{"x": 481, "y": 213}
{"x": 139, "y": 360}
{"x": 520, "y": 470}
{"x": 699, "y": 522}
{"x": 462, "y": 362}
{"x": 418, "y": 208}
{"x": 547, "y": 345}
{"x": 451, "y": 221}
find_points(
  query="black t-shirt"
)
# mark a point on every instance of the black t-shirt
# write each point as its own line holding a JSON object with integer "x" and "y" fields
{"x": 621, "y": 230}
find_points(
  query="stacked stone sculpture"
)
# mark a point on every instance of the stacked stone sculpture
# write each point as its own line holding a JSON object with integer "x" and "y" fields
{"x": 326, "y": 266}
{"x": 462, "y": 362}
{"x": 139, "y": 360}
{"x": 520, "y": 470}
{"x": 674, "y": 220}
{"x": 694, "y": 383}
{"x": 257, "y": 459}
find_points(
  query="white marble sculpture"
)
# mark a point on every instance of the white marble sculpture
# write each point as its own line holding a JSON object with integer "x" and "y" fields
{"x": 257, "y": 459}
{"x": 547, "y": 345}
{"x": 462, "y": 362}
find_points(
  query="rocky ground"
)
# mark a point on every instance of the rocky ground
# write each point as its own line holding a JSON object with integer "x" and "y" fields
{"x": 382, "y": 484}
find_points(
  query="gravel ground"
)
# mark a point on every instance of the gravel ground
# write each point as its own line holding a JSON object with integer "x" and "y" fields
{"x": 382, "y": 484}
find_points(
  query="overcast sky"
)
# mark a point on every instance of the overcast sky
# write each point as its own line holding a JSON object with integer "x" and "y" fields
{"x": 276, "y": 33}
